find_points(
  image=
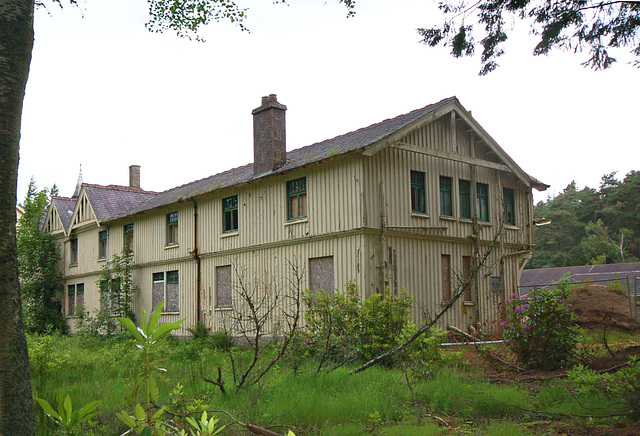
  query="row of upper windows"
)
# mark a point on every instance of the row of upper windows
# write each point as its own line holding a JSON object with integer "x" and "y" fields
{"x": 296, "y": 209}
{"x": 418, "y": 198}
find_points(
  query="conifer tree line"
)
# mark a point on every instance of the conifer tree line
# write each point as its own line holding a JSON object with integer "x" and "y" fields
{"x": 589, "y": 226}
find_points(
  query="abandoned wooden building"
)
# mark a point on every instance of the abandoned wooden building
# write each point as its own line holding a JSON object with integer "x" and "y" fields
{"x": 401, "y": 204}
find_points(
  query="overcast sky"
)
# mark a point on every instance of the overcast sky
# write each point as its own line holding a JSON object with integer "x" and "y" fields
{"x": 105, "y": 93}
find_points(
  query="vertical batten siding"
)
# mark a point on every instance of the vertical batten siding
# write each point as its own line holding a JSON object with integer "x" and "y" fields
{"x": 271, "y": 265}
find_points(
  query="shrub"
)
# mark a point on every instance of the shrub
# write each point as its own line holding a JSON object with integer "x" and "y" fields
{"x": 541, "y": 328}
{"x": 199, "y": 331}
{"x": 622, "y": 387}
{"x": 222, "y": 340}
{"x": 342, "y": 328}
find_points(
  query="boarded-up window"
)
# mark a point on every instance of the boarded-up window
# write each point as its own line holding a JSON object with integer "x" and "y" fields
{"x": 466, "y": 273}
{"x": 496, "y": 284}
{"x": 321, "y": 274}
{"x": 157, "y": 291}
{"x": 446, "y": 276}
{"x": 223, "y": 286}
{"x": 167, "y": 290}
{"x": 172, "y": 295}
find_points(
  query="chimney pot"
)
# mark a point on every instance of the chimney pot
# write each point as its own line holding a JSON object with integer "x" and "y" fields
{"x": 134, "y": 176}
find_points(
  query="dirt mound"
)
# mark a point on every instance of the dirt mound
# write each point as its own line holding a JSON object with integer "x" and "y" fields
{"x": 599, "y": 304}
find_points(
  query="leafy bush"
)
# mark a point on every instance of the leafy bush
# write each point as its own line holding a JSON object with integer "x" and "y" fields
{"x": 199, "y": 331}
{"x": 622, "y": 387}
{"x": 222, "y": 340}
{"x": 342, "y": 328}
{"x": 541, "y": 328}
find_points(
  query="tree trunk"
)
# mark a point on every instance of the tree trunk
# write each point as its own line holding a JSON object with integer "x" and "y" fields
{"x": 16, "y": 42}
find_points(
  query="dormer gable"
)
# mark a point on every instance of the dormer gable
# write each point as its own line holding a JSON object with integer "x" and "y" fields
{"x": 83, "y": 214}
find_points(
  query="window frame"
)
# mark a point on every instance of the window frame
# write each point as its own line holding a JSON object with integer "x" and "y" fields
{"x": 417, "y": 181}
{"x": 226, "y": 303}
{"x": 167, "y": 279}
{"x": 482, "y": 202}
{"x": 78, "y": 289}
{"x": 230, "y": 214}
{"x": 300, "y": 196}
{"x": 173, "y": 219}
{"x": 465, "y": 198}
{"x": 509, "y": 206}
{"x": 73, "y": 251}
{"x": 103, "y": 244}
{"x": 446, "y": 196}
{"x": 127, "y": 236}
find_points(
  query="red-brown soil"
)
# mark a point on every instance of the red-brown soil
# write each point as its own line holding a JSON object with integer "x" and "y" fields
{"x": 599, "y": 304}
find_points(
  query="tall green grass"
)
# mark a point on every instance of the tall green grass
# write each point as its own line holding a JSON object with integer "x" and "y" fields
{"x": 376, "y": 401}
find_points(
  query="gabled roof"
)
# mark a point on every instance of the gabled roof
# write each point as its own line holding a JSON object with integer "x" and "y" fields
{"x": 110, "y": 201}
{"x": 374, "y": 137}
{"x": 65, "y": 207}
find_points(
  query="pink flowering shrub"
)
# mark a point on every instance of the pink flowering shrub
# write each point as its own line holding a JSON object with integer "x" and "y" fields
{"x": 541, "y": 328}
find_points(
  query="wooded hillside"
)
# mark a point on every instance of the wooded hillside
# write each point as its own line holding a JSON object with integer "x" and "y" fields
{"x": 590, "y": 226}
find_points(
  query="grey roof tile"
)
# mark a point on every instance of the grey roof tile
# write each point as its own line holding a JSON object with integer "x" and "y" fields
{"x": 319, "y": 151}
{"x": 111, "y": 201}
{"x": 65, "y": 207}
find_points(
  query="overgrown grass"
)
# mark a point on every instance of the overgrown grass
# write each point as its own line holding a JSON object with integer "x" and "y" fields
{"x": 377, "y": 401}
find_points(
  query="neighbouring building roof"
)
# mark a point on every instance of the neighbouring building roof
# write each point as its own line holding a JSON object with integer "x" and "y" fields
{"x": 110, "y": 201}
{"x": 545, "y": 277}
{"x": 65, "y": 207}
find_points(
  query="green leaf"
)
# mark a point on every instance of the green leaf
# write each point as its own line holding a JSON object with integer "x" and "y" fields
{"x": 68, "y": 408}
{"x": 153, "y": 319}
{"x": 131, "y": 328}
{"x": 166, "y": 328}
{"x": 88, "y": 411}
{"x": 48, "y": 409}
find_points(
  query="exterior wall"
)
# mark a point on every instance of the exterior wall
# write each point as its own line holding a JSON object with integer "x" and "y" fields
{"x": 270, "y": 267}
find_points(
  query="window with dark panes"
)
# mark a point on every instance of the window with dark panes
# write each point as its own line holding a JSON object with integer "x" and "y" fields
{"x": 418, "y": 193}
{"x": 73, "y": 244}
{"x": 465, "y": 198}
{"x": 230, "y": 213}
{"x": 482, "y": 201}
{"x": 103, "y": 237}
{"x": 80, "y": 295}
{"x": 509, "y": 206}
{"x": 172, "y": 228}
{"x": 71, "y": 297}
{"x": 223, "y": 286}
{"x": 446, "y": 196}
{"x": 128, "y": 236}
{"x": 297, "y": 198}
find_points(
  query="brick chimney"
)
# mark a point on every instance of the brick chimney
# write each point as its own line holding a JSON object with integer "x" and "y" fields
{"x": 269, "y": 142}
{"x": 134, "y": 176}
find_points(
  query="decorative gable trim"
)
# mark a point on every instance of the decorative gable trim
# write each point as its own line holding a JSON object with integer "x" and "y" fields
{"x": 83, "y": 213}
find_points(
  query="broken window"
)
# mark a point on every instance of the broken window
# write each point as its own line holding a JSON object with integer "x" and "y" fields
{"x": 75, "y": 295}
{"x": 73, "y": 244}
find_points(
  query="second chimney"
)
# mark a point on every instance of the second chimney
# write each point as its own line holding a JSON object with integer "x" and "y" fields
{"x": 269, "y": 142}
{"x": 134, "y": 176}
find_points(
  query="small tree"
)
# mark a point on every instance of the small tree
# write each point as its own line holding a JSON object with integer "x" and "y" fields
{"x": 38, "y": 256}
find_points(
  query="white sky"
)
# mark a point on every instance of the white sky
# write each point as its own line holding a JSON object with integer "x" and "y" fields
{"x": 105, "y": 93}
